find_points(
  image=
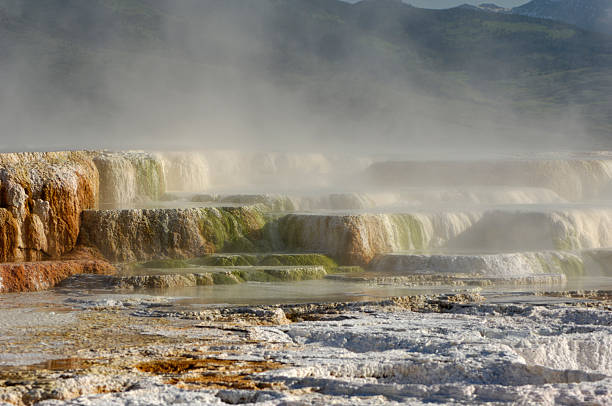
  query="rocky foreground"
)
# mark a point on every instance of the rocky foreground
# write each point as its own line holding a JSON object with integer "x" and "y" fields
{"x": 68, "y": 349}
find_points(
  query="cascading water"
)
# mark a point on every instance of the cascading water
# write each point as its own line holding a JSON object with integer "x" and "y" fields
{"x": 185, "y": 172}
{"x": 129, "y": 177}
{"x": 354, "y": 228}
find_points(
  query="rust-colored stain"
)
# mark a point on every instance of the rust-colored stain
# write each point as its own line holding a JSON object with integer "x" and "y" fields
{"x": 211, "y": 372}
{"x": 35, "y": 276}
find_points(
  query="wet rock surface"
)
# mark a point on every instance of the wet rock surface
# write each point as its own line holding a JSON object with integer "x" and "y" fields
{"x": 185, "y": 278}
{"x": 446, "y": 349}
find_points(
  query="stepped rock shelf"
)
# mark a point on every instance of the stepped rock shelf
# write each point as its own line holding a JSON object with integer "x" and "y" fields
{"x": 172, "y": 205}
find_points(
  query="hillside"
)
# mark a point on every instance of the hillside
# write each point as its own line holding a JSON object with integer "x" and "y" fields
{"x": 343, "y": 68}
{"x": 593, "y": 15}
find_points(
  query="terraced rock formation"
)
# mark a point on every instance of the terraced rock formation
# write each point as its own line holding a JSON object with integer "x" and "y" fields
{"x": 357, "y": 239}
{"x": 493, "y": 206}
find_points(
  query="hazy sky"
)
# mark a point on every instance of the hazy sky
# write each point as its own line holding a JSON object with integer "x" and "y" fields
{"x": 454, "y": 3}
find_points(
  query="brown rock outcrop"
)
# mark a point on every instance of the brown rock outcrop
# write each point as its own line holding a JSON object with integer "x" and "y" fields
{"x": 41, "y": 198}
{"x": 9, "y": 232}
{"x": 350, "y": 239}
{"x": 35, "y": 276}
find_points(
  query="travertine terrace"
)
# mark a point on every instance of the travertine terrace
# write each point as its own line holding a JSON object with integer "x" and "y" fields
{"x": 143, "y": 246}
{"x": 142, "y": 206}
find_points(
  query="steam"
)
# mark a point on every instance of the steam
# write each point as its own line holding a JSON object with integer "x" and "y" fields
{"x": 230, "y": 74}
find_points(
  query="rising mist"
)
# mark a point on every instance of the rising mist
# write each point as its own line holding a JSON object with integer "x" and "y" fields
{"x": 269, "y": 75}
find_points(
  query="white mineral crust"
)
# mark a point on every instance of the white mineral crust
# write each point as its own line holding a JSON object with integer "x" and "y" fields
{"x": 510, "y": 354}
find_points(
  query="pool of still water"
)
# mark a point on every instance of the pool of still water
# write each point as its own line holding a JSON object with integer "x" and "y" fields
{"x": 331, "y": 290}
{"x": 312, "y": 291}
